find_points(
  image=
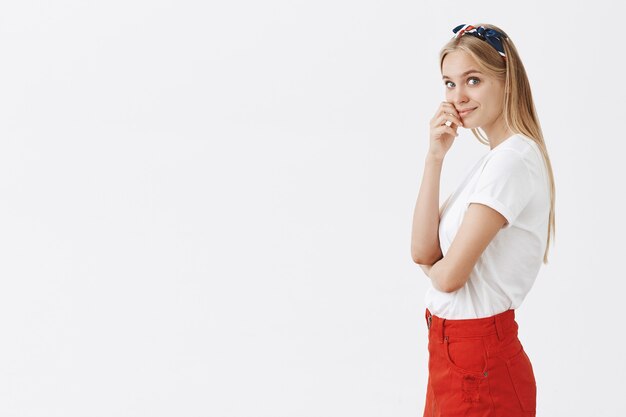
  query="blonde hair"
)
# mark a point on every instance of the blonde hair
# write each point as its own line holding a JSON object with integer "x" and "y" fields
{"x": 519, "y": 110}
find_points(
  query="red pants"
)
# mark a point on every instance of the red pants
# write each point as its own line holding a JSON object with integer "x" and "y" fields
{"x": 478, "y": 367}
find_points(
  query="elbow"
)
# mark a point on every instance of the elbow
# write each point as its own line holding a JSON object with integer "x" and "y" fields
{"x": 422, "y": 257}
{"x": 418, "y": 260}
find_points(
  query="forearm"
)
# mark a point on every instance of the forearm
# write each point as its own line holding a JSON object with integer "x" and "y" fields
{"x": 435, "y": 273}
{"x": 425, "y": 232}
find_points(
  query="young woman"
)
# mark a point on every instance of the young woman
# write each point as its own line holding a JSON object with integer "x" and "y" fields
{"x": 483, "y": 248}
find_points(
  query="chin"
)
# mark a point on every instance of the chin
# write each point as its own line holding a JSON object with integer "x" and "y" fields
{"x": 472, "y": 123}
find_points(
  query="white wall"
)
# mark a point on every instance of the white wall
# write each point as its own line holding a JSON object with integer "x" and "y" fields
{"x": 205, "y": 209}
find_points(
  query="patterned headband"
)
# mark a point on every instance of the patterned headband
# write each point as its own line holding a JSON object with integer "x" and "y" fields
{"x": 491, "y": 36}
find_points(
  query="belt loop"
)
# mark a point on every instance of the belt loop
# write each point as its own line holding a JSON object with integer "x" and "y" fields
{"x": 442, "y": 323}
{"x": 499, "y": 330}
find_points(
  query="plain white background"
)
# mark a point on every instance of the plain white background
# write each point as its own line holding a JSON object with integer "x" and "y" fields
{"x": 205, "y": 209}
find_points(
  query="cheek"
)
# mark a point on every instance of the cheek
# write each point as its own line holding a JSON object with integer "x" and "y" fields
{"x": 493, "y": 98}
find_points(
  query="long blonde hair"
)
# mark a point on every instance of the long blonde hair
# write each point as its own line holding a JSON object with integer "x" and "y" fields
{"x": 519, "y": 109}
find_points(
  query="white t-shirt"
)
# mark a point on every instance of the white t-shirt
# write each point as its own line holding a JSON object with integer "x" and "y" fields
{"x": 512, "y": 179}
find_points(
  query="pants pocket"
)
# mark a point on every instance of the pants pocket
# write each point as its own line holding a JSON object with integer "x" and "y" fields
{"x": 466, "y": 355}
{"x": 523, "y": 380}
{"x": 467, "y": 358}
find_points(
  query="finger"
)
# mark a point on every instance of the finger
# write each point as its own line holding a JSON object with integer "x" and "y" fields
{"x": 453, "y": 113}
{"x": 453, "y": 132}
{"x": 446, "y": 116}
{"x": 439, "y": 110}
{"x": 444, "y": 106}
{"x": 450, "y": 120}
{"x": 453, "y": 109}
{"x": 447, "y": 129}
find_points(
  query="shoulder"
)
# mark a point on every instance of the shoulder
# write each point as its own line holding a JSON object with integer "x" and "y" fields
{"x": 505, "y": 160}
{"x": 518, "y": 154}
{"x": 518, "y": 148}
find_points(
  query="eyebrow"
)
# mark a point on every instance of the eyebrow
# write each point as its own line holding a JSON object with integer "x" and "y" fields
{"x": 464, "y": 74}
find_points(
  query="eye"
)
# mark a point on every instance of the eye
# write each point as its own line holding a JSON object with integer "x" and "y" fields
{"x": 470, "y": 78}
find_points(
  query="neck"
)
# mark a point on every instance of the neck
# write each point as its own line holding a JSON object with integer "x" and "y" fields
{"x": 497, "y": 133}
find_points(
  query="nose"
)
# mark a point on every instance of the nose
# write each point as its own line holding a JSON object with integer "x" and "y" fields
{"x": 459, "y": 95}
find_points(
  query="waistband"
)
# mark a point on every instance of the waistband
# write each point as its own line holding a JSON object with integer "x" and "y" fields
{"x": 499, "y": 324}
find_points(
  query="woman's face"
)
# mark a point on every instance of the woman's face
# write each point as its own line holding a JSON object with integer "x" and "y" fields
{"x": 473, "y": 90}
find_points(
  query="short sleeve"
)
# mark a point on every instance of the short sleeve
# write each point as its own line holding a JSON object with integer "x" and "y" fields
{"x": 505, "y": 184}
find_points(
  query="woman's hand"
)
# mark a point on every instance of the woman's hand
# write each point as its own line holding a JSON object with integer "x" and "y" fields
{"x": 442, "y": 136}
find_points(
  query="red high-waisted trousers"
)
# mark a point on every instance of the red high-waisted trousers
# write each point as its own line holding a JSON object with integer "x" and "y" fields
{"x": 478, "y": 367}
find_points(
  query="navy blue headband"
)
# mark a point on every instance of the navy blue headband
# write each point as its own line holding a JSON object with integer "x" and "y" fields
{"x": 493, "y": 37}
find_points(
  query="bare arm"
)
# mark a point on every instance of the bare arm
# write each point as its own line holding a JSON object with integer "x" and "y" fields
{"x": 425, "y": 247}
{"x": 431, "y": 272}
{"x": 480, "y": 225}
{"x": 427, "y": 268}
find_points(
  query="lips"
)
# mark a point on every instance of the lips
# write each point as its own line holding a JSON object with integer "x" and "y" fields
{"x": 466, "y": 112}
